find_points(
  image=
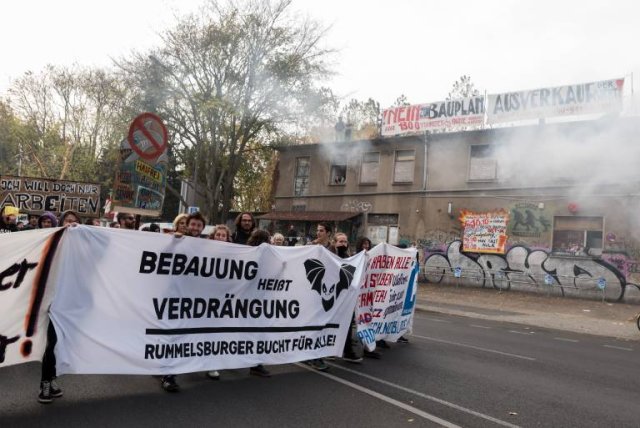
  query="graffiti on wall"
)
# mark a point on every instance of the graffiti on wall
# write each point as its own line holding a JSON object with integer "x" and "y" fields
{"x": 522, "y": 266}
{"x": 433, "y": 239}
{"x": 356, "y": 206}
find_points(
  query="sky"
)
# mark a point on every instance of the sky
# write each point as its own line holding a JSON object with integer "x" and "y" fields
{"x": 384, "y": 48}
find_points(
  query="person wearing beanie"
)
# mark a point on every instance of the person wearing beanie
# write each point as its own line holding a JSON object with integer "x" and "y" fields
{"x": 47, "y": 219}
{"x": 8, "y": 216}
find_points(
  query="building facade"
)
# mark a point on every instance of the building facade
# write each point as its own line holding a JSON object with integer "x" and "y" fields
{"x": 569, "y": 191}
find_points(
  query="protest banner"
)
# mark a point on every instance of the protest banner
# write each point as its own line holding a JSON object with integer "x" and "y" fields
{"x": 37, "y": 195}
{"x": 484, "y": 232}
{"x": 603, "y": 97}
{"x": 450, "y": 115}
{"x": 141, "y": 179}
{"x": 25, "y": 294}
{"x": 145, "y": 303}
{"x": 385, "y": 305}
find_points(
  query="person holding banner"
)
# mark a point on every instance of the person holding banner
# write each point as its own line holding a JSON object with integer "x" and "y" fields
{"x": 49, "y": 388}
{"x": 221, "y": 233}
{"x": 46, "y": 220}
{"x": 126, "y": 221}
{"x": 195, "y": 225}
{"x": 256, "y": 238}
{"x": 245, "y": 224}
{"x": 180, "y": 224}
{"x": 323, "y": 237}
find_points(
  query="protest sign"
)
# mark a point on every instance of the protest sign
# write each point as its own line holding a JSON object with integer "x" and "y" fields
{"x": 141, "y": 179}
{"x": 25, "y": 295}
{"x": 145, "y": 303}
{"x": 37, "y": 195}
{"x": 484, "y": 232}
{"x": 385, "y": 305}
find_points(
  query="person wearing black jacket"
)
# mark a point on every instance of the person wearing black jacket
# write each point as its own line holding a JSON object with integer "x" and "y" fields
{"x": 245, "y": 224}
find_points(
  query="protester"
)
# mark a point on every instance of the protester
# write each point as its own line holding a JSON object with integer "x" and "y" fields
{"x": 49, "y": 388}
{"x": 114, "y": 224}
{"x": 126, "y": 221}
{"x": 323, "y": 237}
{"x": 277, "y": 239}
{"x": 154, "y": 227}
{"x": 256, "y": 238}
{"x": 353, "y": 349}
{"x": 195, "y": 225}
{"x": 92, "y": 222}
{"x": 47, "y": 219}
{"x": 363, "y": 244}
{"x": 32, "y": 223}
{"x": 180, "y": 224}
{"x": 292, "y": 236}
{"x": 8, "y": 218}
{"x": 245, "y": 224}
{"x": 221, "y": 233}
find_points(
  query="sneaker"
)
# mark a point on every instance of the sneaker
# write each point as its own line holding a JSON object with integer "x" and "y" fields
{"x": 402, "y": 339}
{"x": 373, "y": 354}
{"x": 352, "y": 359}
{"x": 56, "y": 391}
{"x": 318, "y": 364}
{"x": 169, "y": 384}
{"x": 259, "y": 370}
{"x": 213, "y": 374}
{"x": 382, "y": 344}
{"x": 45, "y": 393}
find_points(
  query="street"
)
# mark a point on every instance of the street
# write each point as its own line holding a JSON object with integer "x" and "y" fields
{"x": 455, "y": 371}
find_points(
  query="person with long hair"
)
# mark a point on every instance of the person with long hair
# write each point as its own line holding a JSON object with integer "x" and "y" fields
{"x": 221, "y": 232}
{"x": 256, "y": 238}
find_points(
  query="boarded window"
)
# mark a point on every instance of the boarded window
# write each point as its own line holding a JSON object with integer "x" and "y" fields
{"x": 404, "y": 165}
{"x": 482, "y": 163}
{"x": 301, "y": 183}
{"x": 370, "y": 167}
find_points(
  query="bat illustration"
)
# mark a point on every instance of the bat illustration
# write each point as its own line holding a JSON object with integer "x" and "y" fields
{"x": 315, "y": 274}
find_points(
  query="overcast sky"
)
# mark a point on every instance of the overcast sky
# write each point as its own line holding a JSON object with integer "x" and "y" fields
{"x": 386, "y": 48}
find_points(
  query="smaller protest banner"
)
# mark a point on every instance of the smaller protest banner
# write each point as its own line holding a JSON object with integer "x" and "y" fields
{"x": 37, "y": 195}
{"x": 484, "y": 232}
{"x": 141, "y": 179}
{"x": 385, "y": 305}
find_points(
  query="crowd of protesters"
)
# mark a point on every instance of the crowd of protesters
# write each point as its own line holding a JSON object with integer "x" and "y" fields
{"x": 246, "y": 233}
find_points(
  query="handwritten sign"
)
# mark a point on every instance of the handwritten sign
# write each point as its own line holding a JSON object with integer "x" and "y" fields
{"x": 37, "y": 195}
{"x": 484, "y": 232}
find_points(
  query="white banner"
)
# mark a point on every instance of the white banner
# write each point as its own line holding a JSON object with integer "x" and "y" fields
{"x": 25, "y": 262}
{"x": 146, "y": 303}
{"x": 453, "y": 115}
{"x": 602, "y": 97}
{"x": 385, "y": 306}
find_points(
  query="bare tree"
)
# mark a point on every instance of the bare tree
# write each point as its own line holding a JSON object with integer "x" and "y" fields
{"x": 232, "y": 75}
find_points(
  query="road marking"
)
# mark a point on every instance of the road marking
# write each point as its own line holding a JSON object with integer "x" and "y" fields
{"x": 564, "y": 339}
{"x": 425, "y": 396}
{"x": 464, "y": 345}
{"x": 434, "y": 319}
{"x": 526, "y": 333}
{"x": 480, "y": 326}
{"x": 382, "y": 397}
{"x": 618, "y": 347}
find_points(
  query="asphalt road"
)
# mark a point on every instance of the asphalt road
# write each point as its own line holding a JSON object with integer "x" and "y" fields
{"x": 455, "y": 372}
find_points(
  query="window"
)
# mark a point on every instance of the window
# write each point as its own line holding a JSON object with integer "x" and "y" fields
{"x": 301, "y": 184}
{"x": 482, "y": 163}
{"x": 577, "y": 236}
{"x": 338, "y": 171}
{"x": 383, "y": 228}
{"x": 403, "y": 168}
{"x": 369, "y": 168}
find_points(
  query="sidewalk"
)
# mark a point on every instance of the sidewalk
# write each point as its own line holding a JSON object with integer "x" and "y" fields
{"x": 561, "y": 313}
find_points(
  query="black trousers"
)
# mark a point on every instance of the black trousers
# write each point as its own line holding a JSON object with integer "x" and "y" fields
{"x": 352, "y": 346}
{"x": 49, "y": 358}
